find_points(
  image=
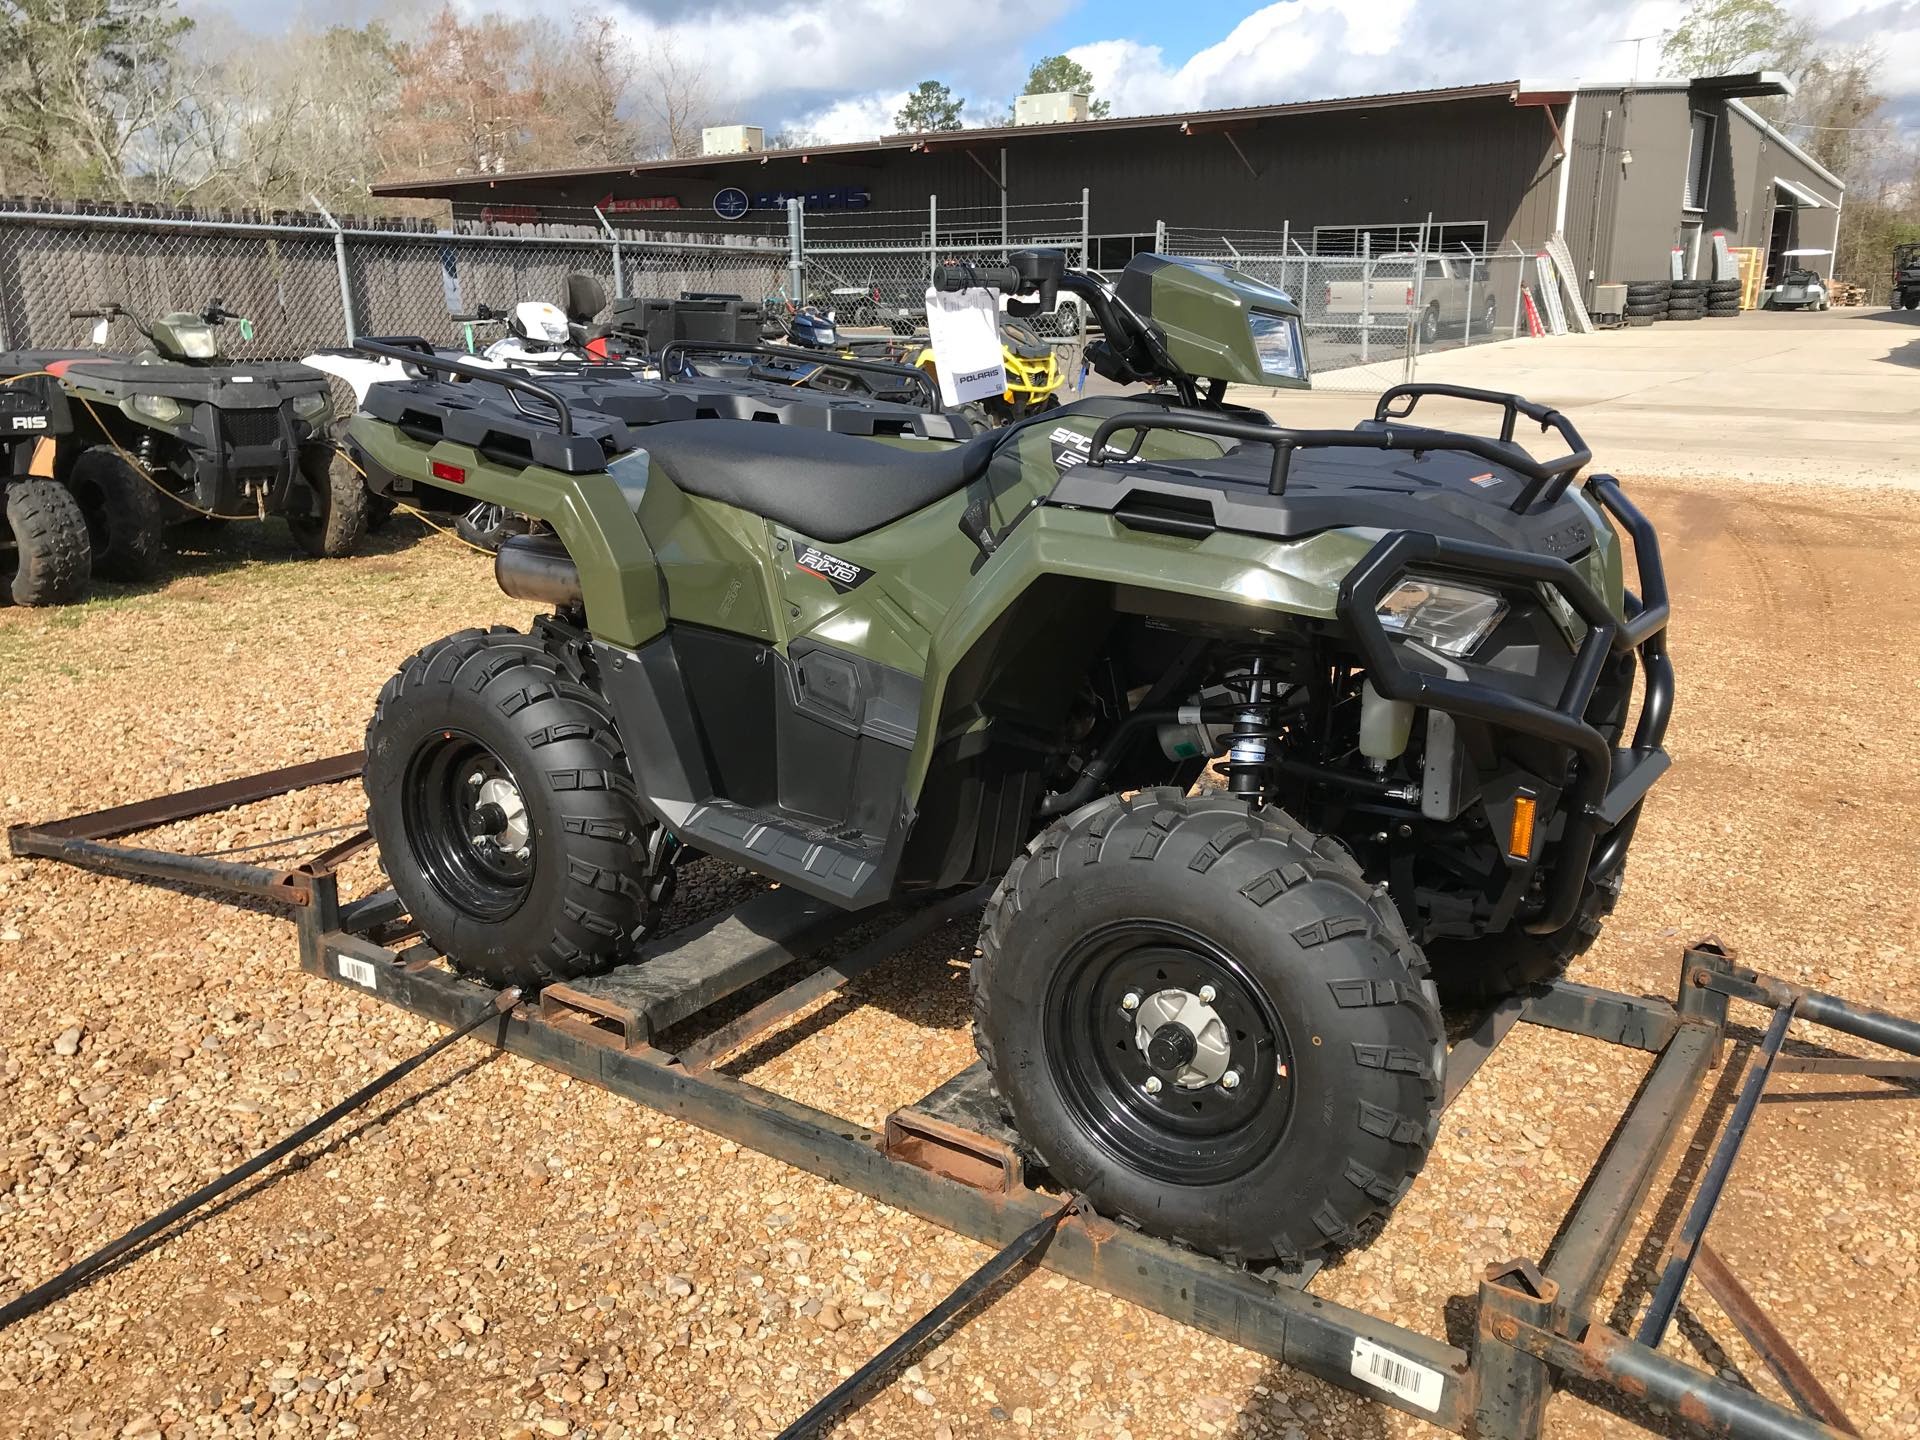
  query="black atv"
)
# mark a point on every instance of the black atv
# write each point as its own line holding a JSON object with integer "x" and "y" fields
{"x": 175, "y": 431}
{"x": 1906, "y": 276}
{"x": 45, "y": 557}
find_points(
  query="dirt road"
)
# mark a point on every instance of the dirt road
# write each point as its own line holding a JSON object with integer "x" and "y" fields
{"x": 499, "y": 1253}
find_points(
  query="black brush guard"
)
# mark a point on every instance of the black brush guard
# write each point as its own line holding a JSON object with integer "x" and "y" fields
{"x": 1602, "y": 800}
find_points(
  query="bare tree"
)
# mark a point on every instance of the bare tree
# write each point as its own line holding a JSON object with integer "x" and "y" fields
{"x": 676, "y": 96}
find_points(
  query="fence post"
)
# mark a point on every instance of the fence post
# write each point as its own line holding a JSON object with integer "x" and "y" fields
{"x": 933, "y": 235}
{"x": 619, "y": 267}
{"x": 1086, "y": 255}
{"x": 1366, "y": 293}
{"x": 340, "y": 264}
{"x": 1159, "y": 237}
{"x": 796, "y": 278}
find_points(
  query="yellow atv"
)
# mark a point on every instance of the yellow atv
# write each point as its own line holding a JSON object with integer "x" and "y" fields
{"x": 1034, "y": 377}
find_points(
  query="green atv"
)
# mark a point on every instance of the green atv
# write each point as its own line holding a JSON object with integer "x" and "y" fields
{"x": 1258, "y": 726}
{"x": 176, "y": 430}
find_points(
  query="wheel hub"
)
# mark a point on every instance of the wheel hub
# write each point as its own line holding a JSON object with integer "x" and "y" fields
{"x": 499, "y": 814}
{"x": 1183, "y": 1038}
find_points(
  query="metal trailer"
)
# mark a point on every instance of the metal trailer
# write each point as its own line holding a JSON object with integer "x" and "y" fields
{"x": 951, "y": 1159}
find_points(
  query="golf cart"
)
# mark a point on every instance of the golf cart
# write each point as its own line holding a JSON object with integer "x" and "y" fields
{"x": 176, "y": 430}
{"x": 1261, "y": 728}
{"x": 1799, "y": 288}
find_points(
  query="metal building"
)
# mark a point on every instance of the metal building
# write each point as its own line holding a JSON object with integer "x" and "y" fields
{"x": 1627, "y": 172}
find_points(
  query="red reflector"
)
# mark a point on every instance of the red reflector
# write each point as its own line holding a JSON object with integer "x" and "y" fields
{"x": 453, "y": 474}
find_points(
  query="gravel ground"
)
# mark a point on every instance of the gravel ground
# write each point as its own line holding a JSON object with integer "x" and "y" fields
{"x": 497, "y": 1252}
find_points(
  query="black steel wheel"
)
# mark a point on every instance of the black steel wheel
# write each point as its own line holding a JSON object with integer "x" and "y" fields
{"x": 1204, "y": 1017}
{"x": 505, "y": 811}
{"x": 1168, "y": 1052}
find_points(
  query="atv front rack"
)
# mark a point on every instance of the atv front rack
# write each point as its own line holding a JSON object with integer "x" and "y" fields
{"x": 1547, "y": 479}
{"x": 660, "y": 1032}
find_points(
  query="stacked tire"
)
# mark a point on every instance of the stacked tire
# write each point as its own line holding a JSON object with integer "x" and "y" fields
{"x": 1686, "y": 299}
{"x": 1723, "y": 298}
{"x": 1646, "y": 301}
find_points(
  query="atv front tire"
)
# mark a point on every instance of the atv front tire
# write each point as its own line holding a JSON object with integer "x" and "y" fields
{"x": 339, "y": 518}
{"x": 505, "y": 812}
{"x": 126, "y": 514}
{"x": 1205, "y": 1018}
{"x": 52, "y": 560}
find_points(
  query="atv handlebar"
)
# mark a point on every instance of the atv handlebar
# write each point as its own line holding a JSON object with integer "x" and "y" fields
{"x": 412, "y": 350}
{"x": 960, "y": 275}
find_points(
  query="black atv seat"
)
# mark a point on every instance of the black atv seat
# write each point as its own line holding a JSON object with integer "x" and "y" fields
{"x": 825, "y": 485}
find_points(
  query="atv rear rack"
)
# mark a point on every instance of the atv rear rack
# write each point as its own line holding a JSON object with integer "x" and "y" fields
{"x": 950, "y": 1159}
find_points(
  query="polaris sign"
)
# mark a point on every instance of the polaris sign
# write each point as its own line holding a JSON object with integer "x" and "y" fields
{"x": 840, "y": 197}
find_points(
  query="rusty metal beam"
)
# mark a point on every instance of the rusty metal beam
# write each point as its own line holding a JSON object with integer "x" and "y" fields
{"x": 1793, "y": 1373}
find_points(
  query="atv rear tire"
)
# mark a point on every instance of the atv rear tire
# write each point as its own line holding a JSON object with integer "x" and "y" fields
{"x": 126, "y": 514}
{"x": 52, "y": 559}
{"x": 339, "y": 521}
{"x": 1129, "y": 909}
{"x": 534, "y": 873}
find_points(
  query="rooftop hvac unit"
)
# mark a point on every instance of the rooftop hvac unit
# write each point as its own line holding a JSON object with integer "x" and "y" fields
{"x": 732, "y": 140}
{"x": 1063, "y": 107}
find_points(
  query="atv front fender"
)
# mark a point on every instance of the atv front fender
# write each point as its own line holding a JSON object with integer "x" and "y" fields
{"x": 1254, "y": 581}
{"x": 590, "y": 512}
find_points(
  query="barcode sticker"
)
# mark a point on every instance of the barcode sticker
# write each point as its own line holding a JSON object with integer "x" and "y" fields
{"x": 360, "y": 972}
{"x": 1384, "y": 1370}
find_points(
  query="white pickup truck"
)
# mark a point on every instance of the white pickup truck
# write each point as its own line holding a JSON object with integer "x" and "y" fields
{"x": 1440, "y": 291}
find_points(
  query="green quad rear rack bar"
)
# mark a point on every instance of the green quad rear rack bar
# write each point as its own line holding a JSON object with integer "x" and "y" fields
{"x": 950, "y": 1159}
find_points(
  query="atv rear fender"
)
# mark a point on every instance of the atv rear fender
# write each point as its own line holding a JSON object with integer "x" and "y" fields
{"x": 591, "y": 513}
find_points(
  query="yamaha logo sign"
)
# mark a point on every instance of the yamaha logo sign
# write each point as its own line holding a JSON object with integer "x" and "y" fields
{"x": 731, "y": 203}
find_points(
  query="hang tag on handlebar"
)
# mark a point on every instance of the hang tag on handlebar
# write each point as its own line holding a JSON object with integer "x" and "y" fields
{"x": 101, "y": 327}
{"x": 964, "y": 329}
{"x": 246, "y": 328}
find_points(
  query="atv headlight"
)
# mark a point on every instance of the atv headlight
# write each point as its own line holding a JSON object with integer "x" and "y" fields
{"x": 197, "y": 343}
{"x": 1452, "y": 619}
{"x": 311, "y": 408}
{"x": 163, "y": 408}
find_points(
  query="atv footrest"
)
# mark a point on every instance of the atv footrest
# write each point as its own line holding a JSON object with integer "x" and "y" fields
{"x": 778, "y": 845}
{"x": 677, "y": 979}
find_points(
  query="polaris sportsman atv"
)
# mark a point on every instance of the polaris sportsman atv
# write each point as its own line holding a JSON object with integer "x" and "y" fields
{"x": 176, "y": 430}
{"x": 862, "y": 667}
{"x": 46, "y": 557}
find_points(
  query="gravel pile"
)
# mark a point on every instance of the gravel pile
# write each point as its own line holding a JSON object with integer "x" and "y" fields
{"x": 497, "y": 1252}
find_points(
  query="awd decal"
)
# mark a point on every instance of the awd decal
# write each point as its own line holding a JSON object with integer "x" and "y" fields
{"x": 843, "y": 575}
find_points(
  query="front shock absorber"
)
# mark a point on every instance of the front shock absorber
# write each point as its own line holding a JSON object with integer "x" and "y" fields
{"x": 1247, "y": 768}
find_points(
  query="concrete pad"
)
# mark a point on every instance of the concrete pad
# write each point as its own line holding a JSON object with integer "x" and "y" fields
{"x": 1830, "y": 397}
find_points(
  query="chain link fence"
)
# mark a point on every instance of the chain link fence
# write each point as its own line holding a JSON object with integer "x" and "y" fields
{"x": 309, "y": 281}
{"x": 1370, "y": 317}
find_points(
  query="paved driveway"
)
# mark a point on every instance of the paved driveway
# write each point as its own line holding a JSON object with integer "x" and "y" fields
{"x": 1831, "y": 396}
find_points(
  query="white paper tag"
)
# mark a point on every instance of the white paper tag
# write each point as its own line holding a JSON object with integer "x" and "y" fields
{"x": 360, "y": 972}
{"x": 1386, "y": 1370}
{"x": 964, "y": 327}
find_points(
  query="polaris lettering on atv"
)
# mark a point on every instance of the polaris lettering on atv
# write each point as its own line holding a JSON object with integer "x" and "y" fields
{"x": 1071, "y": 448}
{"x": 843, "y": 575}
{"x": 29, "y": 422}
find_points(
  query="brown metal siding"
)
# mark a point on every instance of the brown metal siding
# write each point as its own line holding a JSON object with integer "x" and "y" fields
{"x": 1475, "y": 159}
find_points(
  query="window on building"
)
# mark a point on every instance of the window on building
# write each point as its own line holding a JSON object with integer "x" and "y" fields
{"x": 1699, "y": 161}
